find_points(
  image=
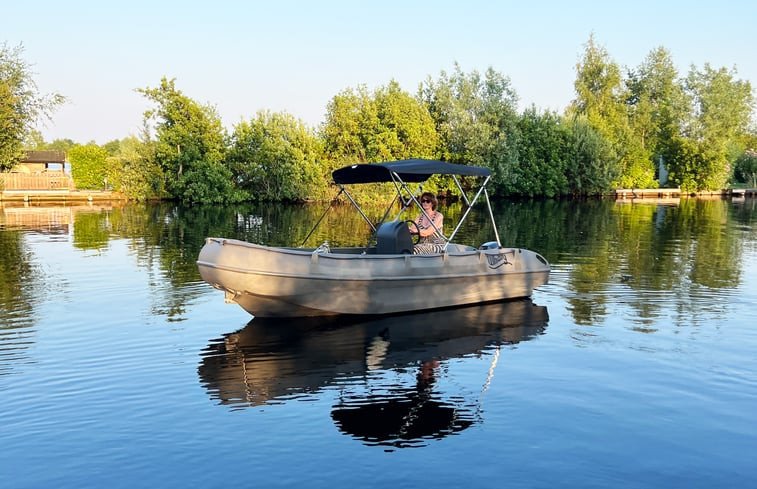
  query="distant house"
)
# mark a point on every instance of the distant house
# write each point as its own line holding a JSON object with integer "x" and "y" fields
{"x": 35, "y": 162}
{"x": 38, "y": 170}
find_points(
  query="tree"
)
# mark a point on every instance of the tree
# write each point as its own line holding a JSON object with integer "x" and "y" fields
{"x": 133, "y": 169}
{"x": 658, "y": 104}
{"x": 276, "y": 157}
{"x": 592, "y": 167}
{"x": 561, "y": 156}
{"x": 601, "y": 98}
{"x": 746, "y": 168}
{"x": 600, "y": 95}
{"x": 349, "y": 115}
{"x": 112, "y": 147}
{"x": 88, "y": 166}
{"x": 722, "y": 106}
{"x": 703, "y": 158}
{"x": 21, "y": 105}
{"x": 60, "y": 145}
{"x": 388, "y": 124}
{"x": 404, "y": 126}
{"x": 542, "y": 168}
{"x": 34, "y": 140}
{"x": 189, "y": 146}
{"x": 696, "y": 165}
{"x": 476, "y": 120}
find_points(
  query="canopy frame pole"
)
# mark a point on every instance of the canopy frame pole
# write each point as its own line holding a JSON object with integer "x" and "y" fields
{"x": 470, "y": 206}
{"x": 400, "y": 186}
{"x": 491, "y": 215}
{"x": 355, "y": 204}
{"x": 460, "y": 188}
{"x": 383, "y": 218}
{"x": 320, "y": 219}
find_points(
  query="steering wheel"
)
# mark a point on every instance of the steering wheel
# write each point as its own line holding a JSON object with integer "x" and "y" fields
{"x": 417, "y": 238}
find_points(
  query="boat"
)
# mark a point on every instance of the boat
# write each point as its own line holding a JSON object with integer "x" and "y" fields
{"x": 383, "y": 277}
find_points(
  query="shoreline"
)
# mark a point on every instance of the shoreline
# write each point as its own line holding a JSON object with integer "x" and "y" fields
{"x": 667, "y": 193}
{"x": 89, "y": 196}
{"x": 61, "y": 196}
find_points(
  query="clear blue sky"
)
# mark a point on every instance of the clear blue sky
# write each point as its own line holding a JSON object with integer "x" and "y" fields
{"x": 294, "y": 56}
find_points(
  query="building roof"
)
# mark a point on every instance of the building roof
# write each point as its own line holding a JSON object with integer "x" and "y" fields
{"x": 51, "y": 156}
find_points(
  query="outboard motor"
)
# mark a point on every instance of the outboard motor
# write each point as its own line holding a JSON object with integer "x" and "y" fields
{"x": 393, "y": 237}
{"x": 489, "y": 245}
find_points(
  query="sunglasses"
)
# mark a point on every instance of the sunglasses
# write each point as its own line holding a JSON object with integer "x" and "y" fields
{"x": 426, "y": 201}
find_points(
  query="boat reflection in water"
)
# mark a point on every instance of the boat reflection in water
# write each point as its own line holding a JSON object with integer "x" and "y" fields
{"x": 386, "y": 372}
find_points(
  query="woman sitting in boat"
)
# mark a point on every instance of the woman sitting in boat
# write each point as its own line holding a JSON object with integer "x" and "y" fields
{"x": 430, "y": 239}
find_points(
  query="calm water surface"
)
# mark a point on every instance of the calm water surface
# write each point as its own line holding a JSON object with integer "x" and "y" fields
{"x": 634, "y": 367}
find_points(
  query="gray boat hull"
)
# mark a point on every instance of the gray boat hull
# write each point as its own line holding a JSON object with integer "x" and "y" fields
{"x": 287, "y": 282}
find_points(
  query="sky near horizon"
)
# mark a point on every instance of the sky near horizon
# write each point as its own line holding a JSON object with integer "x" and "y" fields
{"x": 294, "y": 56}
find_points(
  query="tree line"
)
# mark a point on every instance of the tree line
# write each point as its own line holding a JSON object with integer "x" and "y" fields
{"x": 621, "y": 125}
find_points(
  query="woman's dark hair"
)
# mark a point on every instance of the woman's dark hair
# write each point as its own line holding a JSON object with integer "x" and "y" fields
{"x": 431, "y": 197}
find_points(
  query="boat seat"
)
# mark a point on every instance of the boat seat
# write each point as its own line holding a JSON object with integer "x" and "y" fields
{"x": 393, "y": 238}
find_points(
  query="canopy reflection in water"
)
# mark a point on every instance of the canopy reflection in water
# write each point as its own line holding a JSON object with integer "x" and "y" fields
{"x": 386, "y": 369}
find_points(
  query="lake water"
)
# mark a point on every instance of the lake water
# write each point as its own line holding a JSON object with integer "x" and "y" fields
{"x": 634, "y": 367}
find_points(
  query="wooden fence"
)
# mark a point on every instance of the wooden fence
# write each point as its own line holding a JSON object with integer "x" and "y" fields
{"x": 49, "y": 180}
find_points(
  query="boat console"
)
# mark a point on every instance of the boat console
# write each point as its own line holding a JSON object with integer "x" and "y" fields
{"x": 393, "y": 238}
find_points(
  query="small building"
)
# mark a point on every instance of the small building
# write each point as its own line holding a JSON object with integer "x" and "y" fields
{"x": 38, "y": 170}
{"x": 35, "y": 162}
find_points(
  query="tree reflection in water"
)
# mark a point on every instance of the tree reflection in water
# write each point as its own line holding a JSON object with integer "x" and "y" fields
{"x": 19, "y": 285}
{"x": 653, "y": 259}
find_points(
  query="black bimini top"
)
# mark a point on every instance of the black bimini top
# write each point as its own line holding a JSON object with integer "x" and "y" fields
{"x": 415, "y": 170}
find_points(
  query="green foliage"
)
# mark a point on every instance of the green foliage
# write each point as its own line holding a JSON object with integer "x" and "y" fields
{"x": 207, "y": 183}
{"x": 746, "y": 168}
{"x": 112, "y": 147}
{"x": 613, "y": 134}
{"x": 603, "y": 99}
{"x": 60, "y": 145}
{"x": 722, "y": 105}
{"x": 89, "y": 168}
{"x": 20, "y": 283}
{"x": 404, "y": 128}
{"x": 275, "y": 157}
{"x": 658, "y": 103}
{"x": 476, "y": 120}
{"x": 348, "y": 121}
{"x": 189, "y": 147}
{"x": 621, "y": 115}
{"x": 542, "y": 156}
{"x": 600, "y": 95}
{"x": 134, "y": 170}
{"x": 21, "y": 105}
{"x": 592, "y": 166}
{"x": 637, "y": 167}
{"x": 656, "y": 110}
{"x": 559, "y": 156}
{"x": 388, "y": 124}
{"x": 696, "y": 166}
{"x": 91, "y": 231}
{"x": 34, "y": 140}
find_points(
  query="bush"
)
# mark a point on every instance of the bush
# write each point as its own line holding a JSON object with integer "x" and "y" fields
{"x": 746, "y": 168}
{"x": 89, "y": 166}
